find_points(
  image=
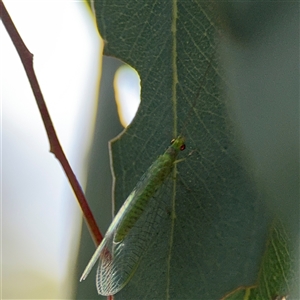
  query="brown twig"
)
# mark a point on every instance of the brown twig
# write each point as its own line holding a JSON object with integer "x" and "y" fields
{"x": 55, "y": 147}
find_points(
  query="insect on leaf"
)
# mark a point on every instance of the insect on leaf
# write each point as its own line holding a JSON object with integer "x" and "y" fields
{"x": 208, "y": 208}
{"x": 128, "y": 236}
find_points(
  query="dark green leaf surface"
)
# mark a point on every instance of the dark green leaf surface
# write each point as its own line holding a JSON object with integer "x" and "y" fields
{"x": 213, "y": 234}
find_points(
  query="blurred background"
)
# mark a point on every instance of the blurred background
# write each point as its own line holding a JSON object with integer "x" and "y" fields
{"x": 41, "y": 221}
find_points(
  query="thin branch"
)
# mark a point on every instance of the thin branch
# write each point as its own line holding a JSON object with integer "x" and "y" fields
{"x": 55, "y": 147}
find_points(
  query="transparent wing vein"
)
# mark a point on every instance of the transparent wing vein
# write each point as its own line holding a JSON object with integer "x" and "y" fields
{"x": 118, "y": 261}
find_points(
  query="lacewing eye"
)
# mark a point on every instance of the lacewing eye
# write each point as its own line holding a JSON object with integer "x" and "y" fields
{"x": 182, "y": 147}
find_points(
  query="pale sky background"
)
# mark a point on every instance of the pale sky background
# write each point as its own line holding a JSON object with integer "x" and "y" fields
{"x": 40, "y": 217}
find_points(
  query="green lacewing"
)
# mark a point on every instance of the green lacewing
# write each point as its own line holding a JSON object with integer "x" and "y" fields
{"x": 128, "y": 236}
{"x": 117, "y": 261}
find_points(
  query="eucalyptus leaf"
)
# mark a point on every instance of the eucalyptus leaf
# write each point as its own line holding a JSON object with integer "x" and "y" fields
{"x": 215, "y": 224}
